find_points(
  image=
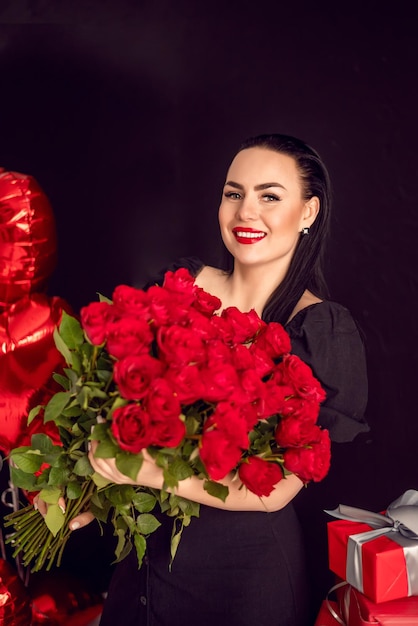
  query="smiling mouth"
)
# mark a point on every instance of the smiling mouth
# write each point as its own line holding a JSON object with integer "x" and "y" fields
{"x": 247, "y": 235}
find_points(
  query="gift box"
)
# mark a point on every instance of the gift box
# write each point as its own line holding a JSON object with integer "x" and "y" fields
{"x": 326, "y": 616}
{"x": 377, "y": 554}
{"x": 358, "y": 610}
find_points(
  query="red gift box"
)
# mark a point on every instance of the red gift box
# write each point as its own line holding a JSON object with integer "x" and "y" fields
{"x": 357, "y": 610}
{"x": 382, "y": 565}
{"x": 325, "y": 615}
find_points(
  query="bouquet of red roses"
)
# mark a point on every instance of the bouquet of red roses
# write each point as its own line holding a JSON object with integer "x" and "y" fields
{"x": 205, "y": 393}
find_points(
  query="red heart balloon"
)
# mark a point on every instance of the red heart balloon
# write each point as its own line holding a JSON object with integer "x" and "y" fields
{"x": 28, "y": 356}
{"x": 28, "y": 242}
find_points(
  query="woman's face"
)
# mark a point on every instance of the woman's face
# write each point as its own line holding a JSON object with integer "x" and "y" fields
{"x": 262, "y": 212}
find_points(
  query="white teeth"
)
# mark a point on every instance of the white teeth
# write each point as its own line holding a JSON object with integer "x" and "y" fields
{"x": 240, "y": 233}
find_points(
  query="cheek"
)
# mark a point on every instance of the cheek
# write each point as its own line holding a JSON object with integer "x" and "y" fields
{"x": 223, "y": 220}
{"x": 287, "y": 222}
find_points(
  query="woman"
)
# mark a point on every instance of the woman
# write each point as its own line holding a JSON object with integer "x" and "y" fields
{"x": 242, "y": 562}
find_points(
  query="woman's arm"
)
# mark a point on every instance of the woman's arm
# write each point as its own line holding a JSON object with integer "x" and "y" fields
{"x": 239, "y": 497}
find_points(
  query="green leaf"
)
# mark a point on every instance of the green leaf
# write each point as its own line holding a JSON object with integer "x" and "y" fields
{"x": 175, "y": 538}
{"x": 188, "y": 507}
{"x": 62, "y": 380}
{"x": 50, "y": 495}
{"x": 103, "y": 298}
{"x": 54, "y": 518}
{"x": 180, "y": 470}
{"x": 98, "y": 512}
{"x": 34, "y": 412}
{"x": 72, "y": 411}
{"x": 103, "y": 375}
{"x": 140, "y": 546}
{"x": 22, "y": 479}
{"x": 73, "y": 490}
{"x": 106, "y": 450}
{"x": 62, "y": 347}
{"x": 58, "y": 476}
{"x": 120, "y": 534}
{"x": 147, "y": 523}
{"x": 100, "y": 481}
{"x": 129, "y": 464}
{"x": 41, "y": 442}
{"x": 56, "y": 405}
{"x": 71, "y": 375}
{"x": 123, "y": 553}
{"x": 144, "y": 502}
{"x": 70, "y": 331}
{"x": 83, "y": 466}
{"x": 216, "y": 489}
{"x": 121, "y": 495}
{"x": 29, "y": 462}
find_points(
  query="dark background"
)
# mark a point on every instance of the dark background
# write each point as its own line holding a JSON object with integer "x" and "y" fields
{"x": 128, "y": 113}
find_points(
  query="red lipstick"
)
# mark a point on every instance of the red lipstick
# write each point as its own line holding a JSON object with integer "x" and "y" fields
{"x": 247, "y": 235}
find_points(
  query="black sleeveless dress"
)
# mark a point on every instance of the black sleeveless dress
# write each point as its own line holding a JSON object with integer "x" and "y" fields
{"x": 235, "y": 568}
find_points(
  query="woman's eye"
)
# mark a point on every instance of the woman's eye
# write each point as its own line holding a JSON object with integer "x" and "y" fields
{"x": 234, "y": 195}
{"x": 268, "y": 197}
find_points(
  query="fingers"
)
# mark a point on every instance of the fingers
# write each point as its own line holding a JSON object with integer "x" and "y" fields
{"x": 77, "y": 522}
{"x": 81, "y": 520}
{"x": 40, "y": 505}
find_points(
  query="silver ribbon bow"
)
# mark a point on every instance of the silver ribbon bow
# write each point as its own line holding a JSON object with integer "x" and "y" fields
{"x": 400, "y": 522}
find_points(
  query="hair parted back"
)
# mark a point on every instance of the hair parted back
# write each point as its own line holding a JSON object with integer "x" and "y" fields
{"x": 306, "y": 267}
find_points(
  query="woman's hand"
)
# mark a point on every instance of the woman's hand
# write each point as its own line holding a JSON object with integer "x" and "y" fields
{"x": 150, "y": 475}
{"x": 77, "y": 522}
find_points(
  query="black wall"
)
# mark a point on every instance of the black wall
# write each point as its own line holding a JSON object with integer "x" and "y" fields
{"x": 127, "y": 113}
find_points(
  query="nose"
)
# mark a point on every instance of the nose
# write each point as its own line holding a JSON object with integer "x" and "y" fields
{"x": 247, "y": 210}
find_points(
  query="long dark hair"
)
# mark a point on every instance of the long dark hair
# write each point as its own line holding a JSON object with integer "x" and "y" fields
{"x": 306, "y": 267}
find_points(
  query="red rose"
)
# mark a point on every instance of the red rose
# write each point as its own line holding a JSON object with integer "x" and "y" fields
{"x": 205, "y": 303}
{"x": 249, "y": 412}
{"x": 263, "y": 364}
{"x": 95, "y": 318}
{"x": 161, "y": 305}
{"x": 241, "y": 358}
{"x": 181, "y": 283}
{"x": 217, "y": 454}
{"x": 168, "y": 433}
{"x": 133, "y": 375}
{"x": 229, "y": 420}
{"x": 311, "y": 462}
{"x": 180, "y": 346}
{"x": 164, "y": 409}
{"x": 253, "y": 387}
{"x": 292, "y": 433}
{"x": 275, "y": 397}
{"x": 297, "y": 373}
{"x": 217, "y": 350}
{"x": 237, "y": 327}
{"x": 200, "y": 324}
{"x": 300, "y": 409}
{"x": 131, "y": 301}
{"x": 273, "y": 340}
{"x": 128, "y": 336}
{"x": 131, "y": 427}
{"x": 187, "y": 382}
{"x": 259, "y": 476}
{"x": 161, "y": 401}
{"x": 220, "y": 380}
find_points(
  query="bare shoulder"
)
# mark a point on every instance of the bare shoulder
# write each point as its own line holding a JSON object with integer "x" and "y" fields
{"x": 211, "y": 279}
{"x": 306, "y": 300}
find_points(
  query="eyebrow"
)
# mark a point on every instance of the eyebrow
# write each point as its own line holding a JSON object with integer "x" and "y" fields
{"x": 260, "y": 187}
